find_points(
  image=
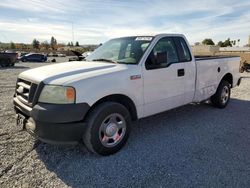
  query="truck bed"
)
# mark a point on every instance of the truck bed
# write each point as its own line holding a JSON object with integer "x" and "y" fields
{"x": 200, "y": 58}
{"x": 210, "y": 71}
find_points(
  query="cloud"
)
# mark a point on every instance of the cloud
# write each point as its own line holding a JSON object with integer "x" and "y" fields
{"x": 96, "y": 21}
{"x": 54, "y": 6}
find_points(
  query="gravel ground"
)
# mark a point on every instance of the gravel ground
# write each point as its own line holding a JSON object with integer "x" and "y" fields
{"x": 192, "y": 146}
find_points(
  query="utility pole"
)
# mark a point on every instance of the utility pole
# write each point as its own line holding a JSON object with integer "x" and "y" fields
{"x": 73, "y": 38}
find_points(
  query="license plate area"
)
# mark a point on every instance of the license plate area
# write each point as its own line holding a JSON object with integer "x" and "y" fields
{"x": 20, "y": 120}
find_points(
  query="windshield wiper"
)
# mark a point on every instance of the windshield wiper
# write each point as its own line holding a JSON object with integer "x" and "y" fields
{"x": 105, "y": 60}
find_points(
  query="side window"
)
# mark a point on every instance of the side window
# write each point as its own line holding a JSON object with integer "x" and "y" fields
{"x": 32, "y": 56}
{"x": 162, "y": 55}
{"x": 183, "y": 51}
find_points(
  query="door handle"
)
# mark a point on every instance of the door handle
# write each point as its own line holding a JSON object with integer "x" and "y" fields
{"x": 181, "y": 72}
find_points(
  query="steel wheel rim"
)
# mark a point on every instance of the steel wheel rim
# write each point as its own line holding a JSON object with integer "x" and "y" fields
{"x": 225, "y": 95}
{"x": 112, "y": 130}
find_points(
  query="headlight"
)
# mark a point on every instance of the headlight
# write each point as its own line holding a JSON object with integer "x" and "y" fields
{"x": 57, "y": 95}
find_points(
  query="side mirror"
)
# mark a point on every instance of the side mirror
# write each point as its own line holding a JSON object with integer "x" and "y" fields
{"x": 162, "y": 58}
{"x": 156, "y": 61}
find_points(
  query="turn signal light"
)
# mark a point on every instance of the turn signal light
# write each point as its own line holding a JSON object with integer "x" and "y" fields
{"x": 70, "y": 94}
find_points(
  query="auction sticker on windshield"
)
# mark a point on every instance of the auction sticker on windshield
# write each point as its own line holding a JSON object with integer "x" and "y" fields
{"x": 144, "y": 38}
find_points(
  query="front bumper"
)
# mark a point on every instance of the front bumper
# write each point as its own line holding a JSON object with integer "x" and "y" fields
{"x": 54, "y": 123}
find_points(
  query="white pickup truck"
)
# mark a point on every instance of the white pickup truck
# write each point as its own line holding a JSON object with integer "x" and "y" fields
{"x": 125, "y": 79}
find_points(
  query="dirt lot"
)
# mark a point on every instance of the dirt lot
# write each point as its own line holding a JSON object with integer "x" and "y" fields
{"x": 192, "y": 146}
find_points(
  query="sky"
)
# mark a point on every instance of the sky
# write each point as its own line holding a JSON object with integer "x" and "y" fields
{"x": 96, "y": 21}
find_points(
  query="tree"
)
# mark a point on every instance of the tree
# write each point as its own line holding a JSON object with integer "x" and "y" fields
{"x": 45, "y": 45}
{"x": 208, "y": 42}
{"x": 35, "y": 44}
{"x": 77, "y": 43}
{"x": 68, "y": 44}
{"x": 71, "y": 44}
{"x": 53, "y": 43}
{"x": 227, "y": 43}
{"x": 220, "y": 44}
{"x": 12, "y": 45}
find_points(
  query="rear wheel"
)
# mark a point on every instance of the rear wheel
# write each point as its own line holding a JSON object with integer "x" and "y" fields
{"x": 108, "y": 128}
{"x": 5, "y": 62}
{"x": 222, "y": 96}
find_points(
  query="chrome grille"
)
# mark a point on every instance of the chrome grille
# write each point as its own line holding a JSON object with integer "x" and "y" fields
{"x": 25, "y": 91}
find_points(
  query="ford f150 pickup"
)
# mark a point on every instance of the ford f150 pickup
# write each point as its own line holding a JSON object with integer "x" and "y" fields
{"x": 123, "y": 80}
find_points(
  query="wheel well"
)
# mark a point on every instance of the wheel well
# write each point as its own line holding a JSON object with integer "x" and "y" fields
{"x": 229, "y": 78}
{"x": 122, "y": 99}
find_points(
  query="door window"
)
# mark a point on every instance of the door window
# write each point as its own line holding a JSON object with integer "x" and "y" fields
{"x": 183, "y": 51}
{"x": 162, "y": 55}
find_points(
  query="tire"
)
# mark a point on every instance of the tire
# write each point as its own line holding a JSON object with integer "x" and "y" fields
{"x": 108, "y": 128}
{"x": 222, "y": 96}
{"x": 5, "y": 63}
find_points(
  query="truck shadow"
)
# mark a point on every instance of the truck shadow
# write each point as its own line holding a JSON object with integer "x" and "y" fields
{"x": 179, "y": 142}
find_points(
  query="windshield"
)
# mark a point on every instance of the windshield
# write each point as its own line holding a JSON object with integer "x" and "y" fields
{"x": 127, "y": 50}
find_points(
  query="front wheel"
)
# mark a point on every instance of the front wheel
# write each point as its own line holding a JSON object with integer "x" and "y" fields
{"x": 222, "y": 96}
{"x": 108, "y": 128}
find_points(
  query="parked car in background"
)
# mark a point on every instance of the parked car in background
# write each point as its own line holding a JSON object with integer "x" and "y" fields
{"x": 50, "y": 54}
{"x": 34, "y": 58}
{"x": 61, "y": 55}
{"x": 23, "y": 54}
{"x": 78, "y": 56}
{"x": 86, "y": 54}
{"x": 8, "y": 59}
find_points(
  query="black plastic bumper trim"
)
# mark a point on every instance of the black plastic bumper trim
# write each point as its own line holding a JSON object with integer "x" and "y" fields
{"x": 59, "y": 113}
{"x": 54, "y": 123}
{"x": 55, "y": 133}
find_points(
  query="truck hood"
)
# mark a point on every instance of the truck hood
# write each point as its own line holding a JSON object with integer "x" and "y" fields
{"x": 65, "y": 73}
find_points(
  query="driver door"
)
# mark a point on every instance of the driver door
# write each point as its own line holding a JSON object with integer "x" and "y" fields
{"x": 164, "y": 78}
